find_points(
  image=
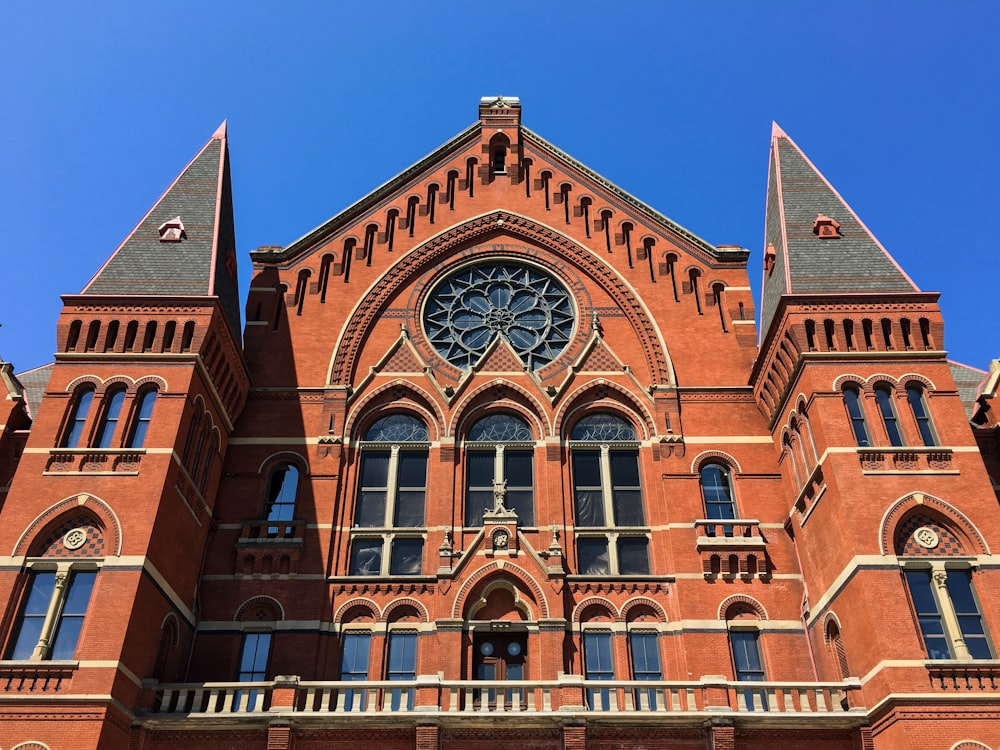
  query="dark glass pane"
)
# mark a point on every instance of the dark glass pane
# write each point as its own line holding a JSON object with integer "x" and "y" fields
{"x": 253, "y": 658}
{"x": 592, "y": 553}
{"x": 522, "y": 502}
{"x": 480, "y": 468}
{"x": 960, "y": 590}
{"x": 78, "y": 419}
{"x": 746, "y": 655}
{"x": 354, "y": 658}
{"x": 375, "y": 469}
{"x": 67, "y": 635}
{"x": 371, "y": 509}
{"x": 586, "y": 468}
{"x": 407, "y": 557}
{"x": 499, "y": 428}
{"x": 366, "y": 557}
{"x": 412, "y": 469}
{"x": 857, "y": 416}
{"x": 633, "y": 556}
{"x": 409, "y": 509}
{"x": 33, "y": 615}
{"x": 589, "y": 506}
{"x": 42, "y": 586}
{"x": 71, "y": 621}
{"x": 80, "y": 587}
{"x": 625, "y": 469}
{"x": 281, "y": 493}
{"x": 143, "y": 416}
{"x": 402, "y": 661}
{"x": 476, "y": 502}
{"x": 916, "y": 399}
{"x": 109, "y": 421}
{"x": 597, "y": 656}
{"x": 645, "y": 656}
{"x": 884, "y": 399}
{"x": 628, "y": 507}
{"x": 928, "y": 615}
{"x": 517, "y": 469}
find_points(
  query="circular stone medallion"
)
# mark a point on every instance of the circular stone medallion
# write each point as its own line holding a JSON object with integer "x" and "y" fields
{"x": 74, "y": 538}
{"x": 926, "y": 537}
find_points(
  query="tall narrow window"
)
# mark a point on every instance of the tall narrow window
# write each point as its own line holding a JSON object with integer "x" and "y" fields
{"x": 585, "y": 213}
{"x": 60, "y": 597}
{"x": 718, "y": 291}
{"x": 915, "y": 395}
{"x": 811, "y": 335}
{"x": 852, "y": 400}
{"x": 717, "y": 493}
{"x": 371, "y": 232}
{"x": 391, "y": 217}
{"x": 401, "y": 665}
{"x": 499, "y": 162}
{"x": 644, "y": 648}
{"x": 693, "y": 280}
{"x": 849, "y": 334}
{"x": 887, "y": 333}
{"x": 499, "y": 451}
{"x": 748, "y": 665}
{"x": 253, "y": 668}
{"x": 432, "y": 196}
{"x": 627, "y": 239}
{"x": 78, "y": 418}
{"x": 928, "y": 614}
{"x": 282, "y": 489}
{"x": 866, "y": 329}
{"x": 598, "y": 665}
{"x": 389, "y": 512}
{"x": 883, "y": 396}
{"x": 925, "y": 333}
{"x": 109, "y": 418}
{"x": 411, "y": 213}
{"x": 607, "y": 497}
{"x": 470, "y": 175}
{"x": 672, "y": 270}
{"x": 450, "y": 188}
{"x": 606, "y": 224}
{"x": 354, "y": 653}
{"x": 546, "y": 176}
{"x": 970, "y": 620}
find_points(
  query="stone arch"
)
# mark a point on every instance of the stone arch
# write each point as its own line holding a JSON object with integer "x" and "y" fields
{"x": 960, "y": 745}
{"x": 501, "y": 585}
{"x": 420, "y": 401}
{"x": 467, "y": 409}
{"x": 513, "y": 571}
{"x": 124, "y": 380}
{"x": 842, "y": 380}
{"x": 396, "y": 604}
{"x": 912, "y": 377}
{"x": 899, "y": 510}
{"x": 448, "y": 243}
{"x": 256, "y": 605}
{"x": 741, "y": 600}
{"x": 830, "y": 618}
{"x": 358, "y": 603}
{"x": 706, "y": 457}
{"x": 642, "y": 601}
{"x": 300, "y": 461}
{"x": 93, "y": 380}
{"x": 160, "y": 383}
{"x": 576, "y": 404}
{"x": 36, "y": 745}
{"x": 45, "y": 520}
{"x": 598, "y": 602}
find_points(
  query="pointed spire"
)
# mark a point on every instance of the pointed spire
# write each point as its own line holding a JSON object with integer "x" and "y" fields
{"x": 186, "y": 243}
{"x": 819, "y": 243}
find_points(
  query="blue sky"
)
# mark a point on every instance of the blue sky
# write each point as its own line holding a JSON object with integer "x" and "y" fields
{"x": 897, "y": 103}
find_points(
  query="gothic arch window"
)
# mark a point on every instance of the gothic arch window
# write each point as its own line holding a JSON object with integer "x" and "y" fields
{"x": 499, "y": 458}
{"x": 884, "y": 399}
{"x": 77, "y": 417}
{"x": 611, "y": 533}
{"x": 387, "y": 536}
{"x": 523, "y": 304}
{"x": 918, "y": 405}
{"x": 948, "y": 612}
{"x": 855, "y": 412}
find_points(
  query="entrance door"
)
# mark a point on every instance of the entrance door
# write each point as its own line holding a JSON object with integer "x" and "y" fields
{"x": 501, "y": 657}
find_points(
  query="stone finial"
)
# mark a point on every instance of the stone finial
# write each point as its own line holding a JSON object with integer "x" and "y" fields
{"x": 172, "y": 231}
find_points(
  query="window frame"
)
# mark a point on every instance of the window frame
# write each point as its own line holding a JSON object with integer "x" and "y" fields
{"x": 858, "y": 421}
{"x": 76, "y": 422}
{"x": 112, "y": 404}
{"x": 394, "y": 696}
{"x": 885, "y": 400}
{"x": 613, "y": 534}
{"x": 753, "y": 698}
{"x": 64, "y": 577}
{"x": 275, "y": 508}
{"x": 645, "y": 699}
{"x": 139, "y": 428}
{"x": 389, "y": 537}
{"x": 594, "y": 640}
{"x": 939, "y": 577}
{"x": 917, "y": 398}
{"x": 500, "y": 449}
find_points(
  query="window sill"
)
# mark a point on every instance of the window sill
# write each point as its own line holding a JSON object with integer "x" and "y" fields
{"x": 94, "y": 461}
{"x": 30, "y": 676}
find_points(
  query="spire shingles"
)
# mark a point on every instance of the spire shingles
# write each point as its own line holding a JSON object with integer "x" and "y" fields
{"x": 804, "y": 263}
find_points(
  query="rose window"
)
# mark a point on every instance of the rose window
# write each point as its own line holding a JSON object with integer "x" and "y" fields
{"x": 523, "y": 304}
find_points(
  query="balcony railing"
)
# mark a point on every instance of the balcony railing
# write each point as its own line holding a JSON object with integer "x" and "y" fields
{"x": 432, "y": 695}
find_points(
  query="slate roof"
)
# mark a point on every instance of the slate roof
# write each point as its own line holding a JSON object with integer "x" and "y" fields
{"x": 203, "y": 263}
{"x": 35, "y": 381}
{"x": 805, "y": 264}
{"x": 968, "y": 379}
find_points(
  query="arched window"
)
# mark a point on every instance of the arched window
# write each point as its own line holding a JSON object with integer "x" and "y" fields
{"x": 748, "y": 666}
{"x": 77, "y": 418}
{"x": 391, "y": 499}
{"x": 499, "y": 450}
{"x": 611, "y": 537}
{"x": 717, "y": 494}
{"x": 852, "y": 400}
{"x": 883, "y": 397}
{"x": 915, "y": 395}
{"x": 936, "y": 590}
{"x": 143, "y": 416}
{"x": 109, "y": 418}
{"x": 282, "y": 489}
{"x": 60, "y": 598}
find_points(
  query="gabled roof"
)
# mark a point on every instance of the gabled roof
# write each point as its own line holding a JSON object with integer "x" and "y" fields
{"x": 196, "y": 258}
{"x": 473, "y": 134}
{"x": 968, "y": 381}
{"x": 804, "y": 263}
{"x": 34, "y": 382}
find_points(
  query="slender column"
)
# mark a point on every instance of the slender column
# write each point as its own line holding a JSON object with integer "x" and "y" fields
{"x": 949, "y": 617}
{"x": 52, "y": 615}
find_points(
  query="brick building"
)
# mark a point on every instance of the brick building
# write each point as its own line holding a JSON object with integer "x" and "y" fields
{"x": 501, "y": 456}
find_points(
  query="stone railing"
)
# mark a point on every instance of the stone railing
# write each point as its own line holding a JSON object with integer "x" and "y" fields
{"x": 124, "y": 461}
{"x": 430, "y": 695}
{"x": 732, "y": 548}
